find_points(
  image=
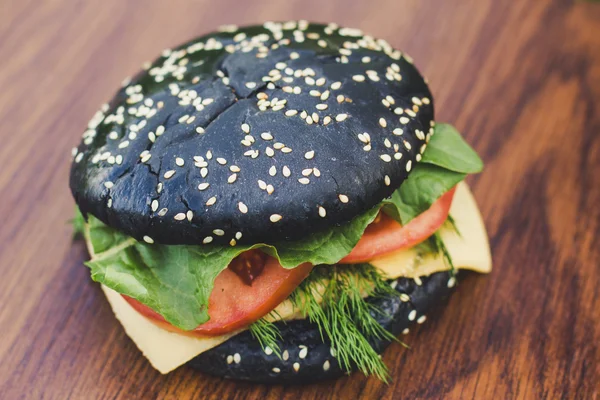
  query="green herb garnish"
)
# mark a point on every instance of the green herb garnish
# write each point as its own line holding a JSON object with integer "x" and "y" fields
{"x": 342, "y": 314}
{"x": 267, "y": 335}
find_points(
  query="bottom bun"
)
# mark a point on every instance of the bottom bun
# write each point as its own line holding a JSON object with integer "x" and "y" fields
{"x": 307, "y": 357}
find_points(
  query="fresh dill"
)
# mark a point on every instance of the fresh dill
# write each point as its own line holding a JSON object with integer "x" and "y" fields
{"x": 452, "y": 222}
{"x": 267, "y": 335}
{"x": 343, "y": 316}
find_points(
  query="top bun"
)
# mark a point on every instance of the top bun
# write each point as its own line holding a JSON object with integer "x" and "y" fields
{"x": 258, "y": 134}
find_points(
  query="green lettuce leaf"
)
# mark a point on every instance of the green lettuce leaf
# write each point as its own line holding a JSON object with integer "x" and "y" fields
{"x": 421, "y": 189}
{"x": 176, "y": 281}
{"x": 447, "y": 149}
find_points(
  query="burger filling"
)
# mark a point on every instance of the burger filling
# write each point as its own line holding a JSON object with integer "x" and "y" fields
{"x": 210, "y": 290}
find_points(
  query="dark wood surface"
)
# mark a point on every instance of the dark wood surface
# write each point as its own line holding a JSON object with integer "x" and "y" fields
{"x": 520, "y": 79}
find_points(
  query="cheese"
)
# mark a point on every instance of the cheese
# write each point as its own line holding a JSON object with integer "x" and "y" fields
{"x": 167, "y": 350}
{"x": 469, "y": 250}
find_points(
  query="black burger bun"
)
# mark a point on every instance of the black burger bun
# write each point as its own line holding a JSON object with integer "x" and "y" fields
{"x": 260, "y": 134}
{"x": 307, "y": 358}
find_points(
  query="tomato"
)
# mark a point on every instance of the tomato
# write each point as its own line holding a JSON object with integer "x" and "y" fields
{"x": 233, "y": 303}
{"x": 386, "y": 235}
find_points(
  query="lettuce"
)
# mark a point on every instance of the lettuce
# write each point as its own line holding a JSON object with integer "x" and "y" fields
{"x": 176, "y": 281}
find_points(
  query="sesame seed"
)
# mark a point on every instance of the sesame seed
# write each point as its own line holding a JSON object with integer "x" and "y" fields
{"x": 382, "y": 122}
{"x": 309, "y": 120}
{"x": 148, "y": 239}
{"x": 410, "y": 112}
{"x": 273, "y": 170}
{"x": 160, "y": 130}
{"x": 309, "y": 155}
{"x": 296, "y": 366}
{"x": 275, "y": 218}
{"x": 398, "y": 132}
{"x": 189, "y": 215}
{"x": 232, "y": 178}
{"x": 179, "y": 161}
{"x": 270, "y": 189}
{"x": 307, "y": 171}
{"x": 221, "y": 160}
{"x": 246, "y": 128}
{"x": 451, "y": 282}
{"x": 262, "y": 184}
{"x": 408, "y": 166}
{"x": 425, "y": 100}
{"x": 266, "y": 136}
{"x": 268, "y": 351}
{"x": 242, "y": 207}
{"x": 404, "y": 120}
{"x": 108, "y": 184}
{"x": 304, "y": 181}
{"x": 316, "y": 172}
{"x": 421, "y": 319}
{"x": 326, "y": 365}
{"x": 219, "y": 232}
{"x": 387, "y": 143}
{"x": 397, "y": 156}
{"x": 203, "y": 172}
{"x": 340, "y": 98}
{"x": 336, "y": 85}
{"x": 200, "y": 130}
{"x": 285, "y": 355}
{"x": 162, "y": 212}
{"x": 169, "y": 174}
{"x": 124, "y": 144}
{"x": 250, "y": 85}
{"x": 412, "y": 315}
{"x": 398, "y": 111}
{"x": 211, "y": 201}
{"x": 144, "y": 158}
{"x": 416, "y": 101}
{"x": 207, "y": 240}
{"x": 321, "y": 106}
{"x": 405, "y": 331}
{"x": 404, "y": 297}
{"x": 203, "y": 186}
{"x": 276, "y": 370}
{"x": 341, "y": 117}
{"x": 385, "y": 157}
{"x": 159, "y": 187}
{"x": 238, "y": 235}
{"x": 179, "y": 216}
{"x": 343, "y": 198}
{"x": 154, "y": 205}
{"x": 322, "y": 212}
{"x": 286, "y": 171}
{"x": 387, "y": 180}
{"x": 326, "y": 120}
{"x": 291, "y": 113}
{"x": 358, "y": 78}
{"x": 234, "y": 168}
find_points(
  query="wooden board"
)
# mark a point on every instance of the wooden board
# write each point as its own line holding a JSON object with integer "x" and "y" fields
{"x": 520, "y": 79}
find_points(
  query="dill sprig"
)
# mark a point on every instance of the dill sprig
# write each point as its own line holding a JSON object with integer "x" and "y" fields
{"x": 342, "y": 314}
{"x": 267, "y": 334}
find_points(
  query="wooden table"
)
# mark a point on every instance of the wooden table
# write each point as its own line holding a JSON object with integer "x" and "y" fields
{"x": 521, "y": 80}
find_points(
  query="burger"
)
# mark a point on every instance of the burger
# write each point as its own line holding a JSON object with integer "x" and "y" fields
{"x": 275, "y": 203}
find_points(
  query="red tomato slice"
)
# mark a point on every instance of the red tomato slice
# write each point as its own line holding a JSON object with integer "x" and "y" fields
{"x": 387, "y": 235}
{"x": 233, "y": 304}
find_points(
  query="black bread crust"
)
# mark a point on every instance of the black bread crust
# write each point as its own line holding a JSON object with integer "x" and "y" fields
{"x": 208, "y": 111}
{"x": 256, "y": 366}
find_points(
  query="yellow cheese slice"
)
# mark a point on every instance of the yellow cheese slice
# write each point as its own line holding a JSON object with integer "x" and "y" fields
{"x": 469, "y": 250}
{"x": 167, "y": 350}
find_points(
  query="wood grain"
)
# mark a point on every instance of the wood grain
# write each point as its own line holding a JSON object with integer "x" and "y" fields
{"x": 521, "y": 79}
